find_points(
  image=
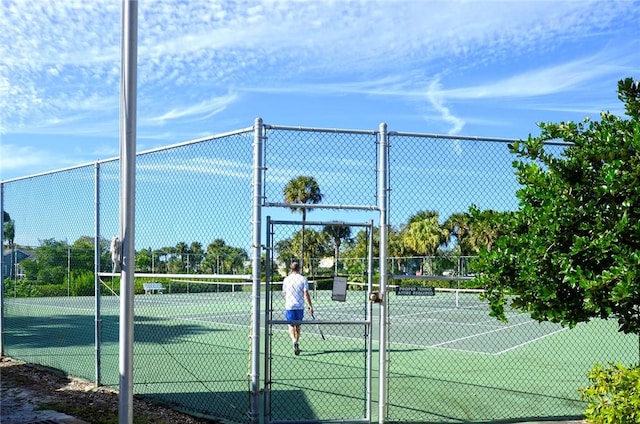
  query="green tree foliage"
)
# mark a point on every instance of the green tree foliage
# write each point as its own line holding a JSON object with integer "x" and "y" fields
{"x": 223, "y": 259}
{"x": 314, "y": 244}
{"x": 571, "y": 251}
{"x": 356, "y": 253}
{"x": 82, "y": 254}
{"x": 50, "y": 262}
{"x": 285, "y": 253}
{"x": 144, "y": 260}
{"x": 57, "y": 268}
{"x": 613, "y": 395}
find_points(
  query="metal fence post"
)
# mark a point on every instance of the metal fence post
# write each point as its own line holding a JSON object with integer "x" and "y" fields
{"x": 97, "y": 250}
{"x": 256, "y": 250}
{"x": 383, "y": 178}
{"x": 2, "y": 269}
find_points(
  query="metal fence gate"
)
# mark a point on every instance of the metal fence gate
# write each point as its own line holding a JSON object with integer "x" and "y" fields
{"x": 331, "y": 379}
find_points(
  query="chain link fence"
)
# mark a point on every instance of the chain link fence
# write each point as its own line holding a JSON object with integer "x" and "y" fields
{"x": 446, "y": 359}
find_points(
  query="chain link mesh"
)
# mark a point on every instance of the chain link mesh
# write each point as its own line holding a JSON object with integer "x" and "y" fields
{"x": 330, "y": 157}
{"x": 41, "y": 324}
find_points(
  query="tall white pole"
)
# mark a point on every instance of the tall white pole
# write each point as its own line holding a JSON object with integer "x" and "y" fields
{"x": 97, "y": 300}
{"x": 383, "y": 179}
{"x": 128, "y": 92}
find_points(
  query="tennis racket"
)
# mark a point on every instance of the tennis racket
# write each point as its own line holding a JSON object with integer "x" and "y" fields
{"x": 317, "y": 326}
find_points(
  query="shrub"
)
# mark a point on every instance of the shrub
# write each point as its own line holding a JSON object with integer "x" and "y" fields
{"x": 613, "y": 396}
{"x": 82, "y": 283}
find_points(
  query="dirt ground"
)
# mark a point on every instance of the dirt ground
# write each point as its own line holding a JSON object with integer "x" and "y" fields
{"x": 30, "y": 393}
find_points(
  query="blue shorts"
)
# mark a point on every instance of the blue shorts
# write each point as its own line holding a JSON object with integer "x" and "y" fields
{"x": 294, "y": 314}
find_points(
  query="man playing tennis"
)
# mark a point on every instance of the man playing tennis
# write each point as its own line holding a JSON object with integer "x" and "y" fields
{"x": 295, "y": 289}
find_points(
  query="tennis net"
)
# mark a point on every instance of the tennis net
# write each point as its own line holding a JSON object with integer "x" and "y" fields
{"x": 457, "y": 297}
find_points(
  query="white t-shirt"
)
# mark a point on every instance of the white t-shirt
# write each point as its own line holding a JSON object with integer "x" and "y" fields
{"x": 293, "y": 287}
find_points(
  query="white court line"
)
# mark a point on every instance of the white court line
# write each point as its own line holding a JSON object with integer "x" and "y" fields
{"x": 530, "y": 341}
{"x": 480, "y": 334}
{"x": 204, "y": 320}
{"x": 423, "y": 347}
{"x": 73, "y": 308}
{"x": 429, "y": 312}
{"x": 492, "y": 323}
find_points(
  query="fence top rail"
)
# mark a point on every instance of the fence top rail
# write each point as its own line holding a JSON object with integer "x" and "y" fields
{"x": 144, "y": 152}
{"x": 198, "y": 140}
{"x": 320, "y": 206}
{"x": 329, "y": 130}
{"x": 451, "y": 137}
{"x": 470, "y": 138}
{"x": 54, "y": 171}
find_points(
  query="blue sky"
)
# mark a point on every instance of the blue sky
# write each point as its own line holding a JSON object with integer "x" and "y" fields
{"x": 483, "y": 68}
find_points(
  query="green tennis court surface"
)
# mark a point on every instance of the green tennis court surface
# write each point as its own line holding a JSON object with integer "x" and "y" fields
{"x": 448, "y": 361}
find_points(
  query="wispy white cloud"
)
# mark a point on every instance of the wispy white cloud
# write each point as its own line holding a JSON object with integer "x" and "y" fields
{"x": 437, "y": 102}
{"x": 199, "y": 111}
{"x": 60, "y": 61}
{"x": 542, "y": 81}
{"x": 16, "y": 158}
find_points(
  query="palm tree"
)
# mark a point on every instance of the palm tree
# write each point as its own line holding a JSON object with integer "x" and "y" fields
{"x": 337, "y": 233}
{"x": 486, "y": 227}
{"x": 6, "y": 218}
{"x": 9, "y": 231}
{"x": 459, "y": 227}
{"x": 423, "y": 233}
{"x": 195, "y": 255}
{"x": 397, "y": 249}
{"x": 302, "y": 190}
{"x": 316, "y": 246}
{"x": 181, "y": 250}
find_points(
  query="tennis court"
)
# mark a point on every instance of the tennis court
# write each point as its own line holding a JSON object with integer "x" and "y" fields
{"x": 448, "y": 360}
